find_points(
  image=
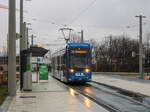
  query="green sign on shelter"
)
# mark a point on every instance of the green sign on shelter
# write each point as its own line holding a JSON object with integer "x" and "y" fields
{"x": 43, "y": 72}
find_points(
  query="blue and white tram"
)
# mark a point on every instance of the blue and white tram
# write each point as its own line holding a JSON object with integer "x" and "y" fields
{"x": 73, "y": 63}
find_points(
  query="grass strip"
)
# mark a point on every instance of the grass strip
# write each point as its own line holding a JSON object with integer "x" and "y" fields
{"x": 3, "y": 92}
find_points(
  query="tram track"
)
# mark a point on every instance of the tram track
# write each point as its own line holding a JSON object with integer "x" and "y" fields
{"x": 100, "y": 102}
{"x": 111, "y": 98}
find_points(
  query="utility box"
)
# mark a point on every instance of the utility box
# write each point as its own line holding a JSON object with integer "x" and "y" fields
{"x": 27, "y": 82}
{"x": 27, "y": 76}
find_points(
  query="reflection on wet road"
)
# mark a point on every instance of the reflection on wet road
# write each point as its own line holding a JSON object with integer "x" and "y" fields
{"x": 111, "y": 100}
{"x": 87, "y": 102}
{"x": 88, "y": 90}
{"x": 72, "y": 91}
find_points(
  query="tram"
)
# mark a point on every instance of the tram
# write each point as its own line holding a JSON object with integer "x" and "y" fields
{"x": 73, "y": 63}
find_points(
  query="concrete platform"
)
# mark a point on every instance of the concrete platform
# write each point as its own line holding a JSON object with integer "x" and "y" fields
{"x": 129, "y": 83}
{"x": 52, "y": 96}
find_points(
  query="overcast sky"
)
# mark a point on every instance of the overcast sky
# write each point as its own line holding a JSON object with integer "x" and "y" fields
{"x": 98, "y": 18}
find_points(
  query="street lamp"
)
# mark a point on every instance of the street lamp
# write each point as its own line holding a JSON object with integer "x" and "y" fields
{"x": 63, "y": 30}
{"x": 22, "y": 45}
{"x": 140, "y": 45}
{"x": 12, "y": 49}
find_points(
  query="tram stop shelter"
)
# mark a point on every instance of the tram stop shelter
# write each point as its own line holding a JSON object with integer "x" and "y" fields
{"x": 33, "y": 51}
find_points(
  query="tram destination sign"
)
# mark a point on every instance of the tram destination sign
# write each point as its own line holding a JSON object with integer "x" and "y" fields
{"x": 77, "y": 51}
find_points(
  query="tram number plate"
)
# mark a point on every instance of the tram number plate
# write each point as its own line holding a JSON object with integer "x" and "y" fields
{"x": 79, "y": 74}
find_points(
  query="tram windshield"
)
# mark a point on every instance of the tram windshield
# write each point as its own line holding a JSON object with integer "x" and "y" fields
{"x": 79, "y": 59}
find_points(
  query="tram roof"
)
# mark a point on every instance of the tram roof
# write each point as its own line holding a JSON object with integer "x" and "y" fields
{"x": 76, "y": 45}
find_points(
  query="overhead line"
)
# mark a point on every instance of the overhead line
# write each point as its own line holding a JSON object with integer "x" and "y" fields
{"x": 83, "y": 11}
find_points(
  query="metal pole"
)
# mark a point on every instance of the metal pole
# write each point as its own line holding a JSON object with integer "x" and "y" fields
{"x": 27, "y": 29}
{"x": 12, "y": 48}
{"x": 140, "y": 46}
{"x": 67, "y": 40}
{"x": 21, "y": 25}
{"x": 21, "y": 44}
{"x": 82, "y": 40}
{"x": 32, "y": 40}
{"x": 21, "y": 17}
{"x": 25, "y": 35}
{"x": 24, "y": 39}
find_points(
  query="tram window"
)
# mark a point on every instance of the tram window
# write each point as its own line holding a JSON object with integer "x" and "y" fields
{"x": 79, "y": 60}
{"x": 64, "y": 59}
{"x": 61, "y": 59}
{"x": 17, "y": 68}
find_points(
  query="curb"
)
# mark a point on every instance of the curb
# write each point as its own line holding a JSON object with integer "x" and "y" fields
{"x": 119, "y": 73}
{"x": 4, "y": 107}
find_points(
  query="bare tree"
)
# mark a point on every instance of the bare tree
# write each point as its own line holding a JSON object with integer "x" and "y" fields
{"x": 114, "y": 51}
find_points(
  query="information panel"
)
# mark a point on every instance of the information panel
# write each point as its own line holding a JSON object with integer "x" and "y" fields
{"x": 43, "y": 72}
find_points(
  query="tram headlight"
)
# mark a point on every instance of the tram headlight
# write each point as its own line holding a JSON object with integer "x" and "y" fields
{"x": 87, "y": 70}
{"x": 72, "y": 70}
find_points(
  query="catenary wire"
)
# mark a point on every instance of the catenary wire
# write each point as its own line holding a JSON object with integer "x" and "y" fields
{"x": 83, "y": 11}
